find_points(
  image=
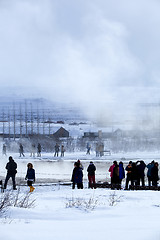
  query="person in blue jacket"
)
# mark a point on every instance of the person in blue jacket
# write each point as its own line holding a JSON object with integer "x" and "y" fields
{"x": 30, "y": 176}
{"x": 77, "y": 176}
{"x": 121, "y": 172}
{"x": 150, "y": 166}
{"x": 154, "y": 174}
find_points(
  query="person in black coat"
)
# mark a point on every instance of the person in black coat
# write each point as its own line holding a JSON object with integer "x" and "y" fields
{"x": 21, "y": 151}
{"x": 141, "y": 167}
{"x": 154, "y": 174}
{"x": 30, "y": 176}
{"x": 11, "y": 172}
{"x": 39, "y": 149}
{"x": 56, "y": 147}
{"x": 91, "y": 175}
{"x": 129, "y": 174}
{"x": 77, "y": 176}
{"x": 150, "y": 166}
{"x": 116, "y": 174}
{"x": 134, "y": 175}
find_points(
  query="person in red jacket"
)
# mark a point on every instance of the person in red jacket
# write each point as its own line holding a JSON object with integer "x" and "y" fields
{"x": 111, "y": 171}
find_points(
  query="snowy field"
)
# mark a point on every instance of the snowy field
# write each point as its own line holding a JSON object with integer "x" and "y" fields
{"x": 62, "y": 213}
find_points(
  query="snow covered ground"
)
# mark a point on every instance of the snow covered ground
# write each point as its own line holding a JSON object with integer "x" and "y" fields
{"x": 134, "y": 216}
{"x": 62, "y": 213}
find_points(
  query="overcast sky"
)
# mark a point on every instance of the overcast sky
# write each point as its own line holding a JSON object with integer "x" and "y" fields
{"x": 96, "y": 53}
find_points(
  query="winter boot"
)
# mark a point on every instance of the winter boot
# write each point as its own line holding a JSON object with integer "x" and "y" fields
{"x": 32, "y": 189}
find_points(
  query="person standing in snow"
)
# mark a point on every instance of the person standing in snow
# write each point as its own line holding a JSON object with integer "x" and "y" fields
{"x": 33, "y": 150}
{"x": 4, "y": 150}
{"x": 56, "y": 150}
{"x": 154, "y": 174}
{"x": 62, "y": 151}
{"x": 121, "y": 172}
{"x": 115, "y": 178}
{"x": 39, "y": 149}
{"x": 11, "y": 172}
{"x": 91, "y": 175}
{"x": 101, "y": 149}
{"x": 21, "y": 151}
{"x": 141, "y": 167}
{"x": 97, "y": 150}
{"x": 77, "y": 176}
{"x": 81, "y": 167}
{"x": 134, "y": 174}
{"x": 150, "y": 166}
{"x": 129, "y": 171}
{"x": 30, "y": 176}
{"x": 88, "y": 148}
{"x": 111, "y": 170}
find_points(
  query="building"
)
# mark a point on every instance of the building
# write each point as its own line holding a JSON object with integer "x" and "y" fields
{"x": 61, "y": 133}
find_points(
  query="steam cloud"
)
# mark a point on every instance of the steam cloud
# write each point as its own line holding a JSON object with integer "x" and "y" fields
{"x": 101, "y": 55}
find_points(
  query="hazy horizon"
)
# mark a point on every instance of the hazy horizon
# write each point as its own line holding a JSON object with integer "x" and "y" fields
{"x": 100, "y": 55}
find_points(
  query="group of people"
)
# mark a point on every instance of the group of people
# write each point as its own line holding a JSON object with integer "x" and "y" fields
{"x": 39, "y": 149}
{"x": 77, "y": 175}
{"x": 33, "y": 150}
{"x": 57, "y": 150}
{"x": 99, "y": 149}
{"x": 117, "y": 172}
{"x": 21, "y": 150}
{"x": 36, "y": 149}
{"x": 135, "y": 173}
{"x": 11, "y": 167}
